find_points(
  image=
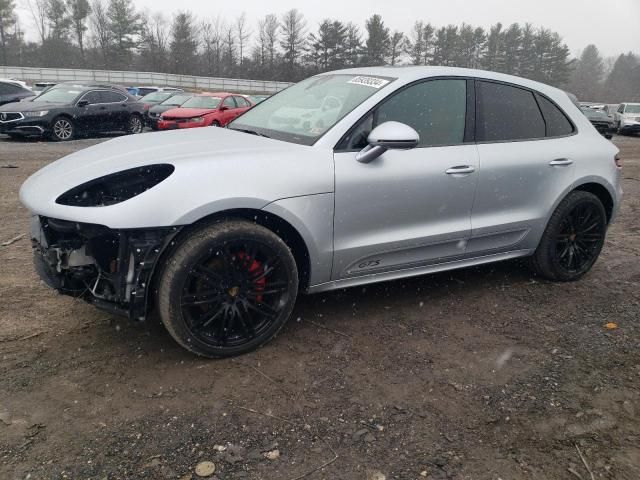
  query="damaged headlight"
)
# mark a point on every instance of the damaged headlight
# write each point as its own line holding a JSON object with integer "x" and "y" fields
{"x": 116, "y": 187}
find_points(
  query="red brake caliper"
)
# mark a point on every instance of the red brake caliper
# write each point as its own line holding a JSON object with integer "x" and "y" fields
{"x": 255, "y": 269}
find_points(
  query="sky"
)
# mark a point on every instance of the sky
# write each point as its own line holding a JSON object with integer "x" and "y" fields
{"x": 612, "y": 25}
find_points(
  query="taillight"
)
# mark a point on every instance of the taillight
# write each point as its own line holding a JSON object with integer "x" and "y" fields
{"x": 618, "y": 160}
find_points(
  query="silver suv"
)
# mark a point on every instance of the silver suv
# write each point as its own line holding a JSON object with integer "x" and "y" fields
{"x": 343, "y": 179}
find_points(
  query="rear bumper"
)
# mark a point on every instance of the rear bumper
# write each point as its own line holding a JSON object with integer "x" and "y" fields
{"x": 111, "y": 269}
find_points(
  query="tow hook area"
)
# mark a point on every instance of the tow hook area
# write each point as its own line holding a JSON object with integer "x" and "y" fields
{"x": 109, "y": 268}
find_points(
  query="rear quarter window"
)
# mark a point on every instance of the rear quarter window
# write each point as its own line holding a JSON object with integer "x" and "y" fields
{"x": 507, "y": 113}
{"x": 557, "y": 123}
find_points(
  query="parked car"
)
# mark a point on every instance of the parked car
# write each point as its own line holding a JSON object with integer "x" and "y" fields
{"x": 604, "y": 123}
{"x": 415, "y": 170}
{"x": 627, "y": 118}
{"x": 67, "y": 110}
{"x": 154, "y": 98}
{"x": 153, "y": 114}
{"x": 13, "y": 92}
{"x": 205, "y": 110}
{"x": 144, "y": 91}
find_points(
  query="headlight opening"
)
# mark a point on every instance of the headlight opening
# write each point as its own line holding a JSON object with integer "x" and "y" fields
{"x": 116, "y": 187}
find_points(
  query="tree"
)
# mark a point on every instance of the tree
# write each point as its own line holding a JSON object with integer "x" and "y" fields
{"x": 7, "y": 20}
{"x": 211, "y": 34}
{"x": 124, "y": 27}
{"x": 586, "y": 80}
{"x": 79, "y": 11}
{"x": 396, "y": 46}
{"x": 243, "y": 35}
{"x": 512, "y": 40}
{"x": 292, "y": 41}
{"x": 378, "y": 42}
{"x": 619, "y": 86}
{"x": 59, "y": 21}
{"x": 184, "y": 43}
{"x": 327, "y": 47}
{"x": 100, "y": 25}
{"x": 494, "y": 54}
{"x": 38, "y": 10}
{"x": 353, "y": 46}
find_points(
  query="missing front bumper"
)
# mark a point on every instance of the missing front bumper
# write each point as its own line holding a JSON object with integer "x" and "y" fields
{"x": 111, "y": 269}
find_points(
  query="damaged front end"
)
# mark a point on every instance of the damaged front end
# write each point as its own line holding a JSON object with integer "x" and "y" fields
{"x": 109, "y": 268}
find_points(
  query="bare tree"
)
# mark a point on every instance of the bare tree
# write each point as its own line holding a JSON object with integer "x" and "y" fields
{"x": 79, "y": 11}
{"x": 38, "y": 10}
{"x": 243, "y": 33}
{"x": 100, "y": 28}
{"x": 211, "y": 33}
{"x": 293, "y": 39}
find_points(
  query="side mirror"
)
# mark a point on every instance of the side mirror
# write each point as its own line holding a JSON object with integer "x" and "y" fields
{"x": 83, "y": 103}
{"x": 224, "y": 108}
{"x": 388, "y": 136}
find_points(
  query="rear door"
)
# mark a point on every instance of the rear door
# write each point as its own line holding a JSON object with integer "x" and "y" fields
{"x": 525, "y": 165}
{"x": 117, "y": 109}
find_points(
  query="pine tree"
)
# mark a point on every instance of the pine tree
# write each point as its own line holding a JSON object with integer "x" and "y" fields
{"x": 79, "y": 11}
{"x": 124, "y": 28}
{"x": 292, "y": 42}
{"x": 184, "y": 43}
{"x": 7, "y": 20}
{"x": 586, "y": 80}
{"x": 378, "y": 42}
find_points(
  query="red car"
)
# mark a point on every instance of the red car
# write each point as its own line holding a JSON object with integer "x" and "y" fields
{"x": 205, "y": 110}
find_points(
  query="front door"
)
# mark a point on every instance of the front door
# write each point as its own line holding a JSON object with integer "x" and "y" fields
{"x": 407, "y": 208}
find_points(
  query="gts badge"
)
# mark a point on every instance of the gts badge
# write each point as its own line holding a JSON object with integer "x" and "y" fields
{"x": 369, "y": 264}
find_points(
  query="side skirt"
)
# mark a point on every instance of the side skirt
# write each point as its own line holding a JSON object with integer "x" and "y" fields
{"x": 416, "y": 271}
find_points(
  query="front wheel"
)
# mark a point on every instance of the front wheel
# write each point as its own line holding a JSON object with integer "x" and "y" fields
{"x": 134, "y": 124}
{"x": 227, "y": 288}
{"x": 573, "y": 239}
{"x": 62, "y": 129}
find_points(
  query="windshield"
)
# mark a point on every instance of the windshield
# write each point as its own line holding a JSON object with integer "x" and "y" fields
{"x": 305, "y": 111}
{"x": 156, "y": 97}
{"x": 58, "y": 95}
{"x": 176, "y": 100}
{"x": 632, "y": 109}
{"x": 202, "y": 101}
{"x": 591, "y": 113}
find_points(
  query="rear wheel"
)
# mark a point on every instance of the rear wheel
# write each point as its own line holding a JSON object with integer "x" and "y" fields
{"x": 573, "y": 238}
{"x": 227, "y": 289}
{"x": 62, "y": 129}
{"x": 215, "y": 123}
{"x": 134, "y": 124}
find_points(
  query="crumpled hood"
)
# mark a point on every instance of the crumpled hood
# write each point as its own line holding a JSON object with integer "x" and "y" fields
{"x": 211, "y": 165}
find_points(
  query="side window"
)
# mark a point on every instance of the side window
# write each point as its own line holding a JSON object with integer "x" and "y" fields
{"x": 112, "y": 97}
{"x": 242, "y": 102}
{"x": 621, "y": 109}
{"x": 4, "y": 89}
{"x": 507, "y": 113}
{"x": 92, "y": 97}
{"x": 229, "y": 102}
{"x": 436, "y": 109}
{"x": 558, "y": 125}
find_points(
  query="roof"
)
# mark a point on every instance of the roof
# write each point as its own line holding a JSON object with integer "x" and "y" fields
{"x": 411, "y": 73}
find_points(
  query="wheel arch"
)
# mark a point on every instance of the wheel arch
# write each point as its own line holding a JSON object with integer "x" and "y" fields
{"x": 275, "y": 223}
{"x": 603, "y": 195}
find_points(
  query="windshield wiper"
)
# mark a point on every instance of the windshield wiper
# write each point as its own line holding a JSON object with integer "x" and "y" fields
{"x": 252, "y": 132}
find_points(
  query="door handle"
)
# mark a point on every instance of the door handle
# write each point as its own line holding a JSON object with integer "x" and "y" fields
{"x": 460, "y": 169}
{"x": 560, "y": 162}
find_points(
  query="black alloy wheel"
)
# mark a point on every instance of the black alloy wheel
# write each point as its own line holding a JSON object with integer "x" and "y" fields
{"x": 573, "y": 238}
{"x": 228, "y": 289}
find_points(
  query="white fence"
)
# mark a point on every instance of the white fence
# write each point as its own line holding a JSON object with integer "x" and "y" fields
{"x": 31, "y": 75}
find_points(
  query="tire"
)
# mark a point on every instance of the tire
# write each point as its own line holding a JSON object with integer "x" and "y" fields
{"x": 215, "y": 123}
{"x": 62, "y": 129}
{"x": 573, "y": 239}
{"x": 227, "y": 288}
{"x": 135, "y": 124}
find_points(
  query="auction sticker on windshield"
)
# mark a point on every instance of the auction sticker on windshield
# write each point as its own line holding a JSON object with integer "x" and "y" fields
{"x": 369, "y": 81}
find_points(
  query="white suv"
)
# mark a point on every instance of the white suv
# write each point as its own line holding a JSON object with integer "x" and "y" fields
{"x": 627, "y": 118}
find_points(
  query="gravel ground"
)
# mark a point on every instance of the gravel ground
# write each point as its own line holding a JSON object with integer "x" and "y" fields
{"x": 482, "y": 373}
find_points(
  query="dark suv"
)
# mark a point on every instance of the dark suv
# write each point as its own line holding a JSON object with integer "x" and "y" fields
{"x": 69, "y": 109}
{"x": 13, "y": 92}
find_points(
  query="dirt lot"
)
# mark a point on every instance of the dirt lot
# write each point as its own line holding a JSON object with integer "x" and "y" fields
{"x": 478, "y": 374}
